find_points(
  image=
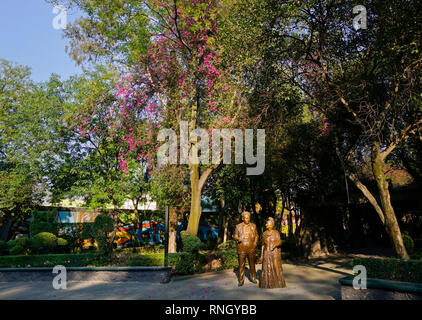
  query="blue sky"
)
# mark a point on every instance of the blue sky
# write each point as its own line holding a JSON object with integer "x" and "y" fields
{"x": 27, "y": 37}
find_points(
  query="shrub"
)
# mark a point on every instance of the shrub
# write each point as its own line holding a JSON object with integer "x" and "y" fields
{"x": 228, "y": 258}
{"x": 87, "y": 231}
{"x": 230, "y": 244}
{"x": 104, "y": 224}
{"x": 20, "y": 247}
{"x": 11, "y": 243}
{"x": 408, "y": 242}
{"x": 44, "y": 241}
{"x": 61, "y": 242}
{"x": 23, "y": 242}
{"x": 148, "y": 260}
{"x": 189, "y": 263}
{"x": 416, "y": 256}
{"x": 190, "y": 243}
{"x": 17, "y": 250}
{"x": 99, "y": 230}
{"x": 190, "y": 260}
{"x": 72, "y": 233}
{"x": 392, "y": 269}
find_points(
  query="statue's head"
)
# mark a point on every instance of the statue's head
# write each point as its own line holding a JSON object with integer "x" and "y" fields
{"x": 246, "y": 217}
{"x": 270, "y": 223}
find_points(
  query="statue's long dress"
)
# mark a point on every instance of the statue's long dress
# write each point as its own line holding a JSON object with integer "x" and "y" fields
{"x": 272, "y": 271}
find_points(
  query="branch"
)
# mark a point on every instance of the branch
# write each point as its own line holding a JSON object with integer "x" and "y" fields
{"x": 204, "y": 177}
{"x": 403, "y": 136}
{"x": 367, "y": 194}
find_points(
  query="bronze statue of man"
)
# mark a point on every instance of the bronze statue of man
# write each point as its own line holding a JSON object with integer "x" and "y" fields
{"x": 246, "y": 236}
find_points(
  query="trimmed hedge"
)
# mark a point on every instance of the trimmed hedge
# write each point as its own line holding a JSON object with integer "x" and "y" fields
{"x": 147, "y": 260}
{"x": 184, "y": 262}
{"x": 45, "y": 240}
{"x": 392, "y": 269}
{"x": 228, "y": 258}
{"x": 408, "y": 242}
{"x": 190, "y": 243}
{"x": 49, "y": 260}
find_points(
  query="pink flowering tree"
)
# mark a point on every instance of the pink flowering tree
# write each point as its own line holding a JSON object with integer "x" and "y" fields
{"x": 181, "y": 78}
{"x": 172, "y": 61}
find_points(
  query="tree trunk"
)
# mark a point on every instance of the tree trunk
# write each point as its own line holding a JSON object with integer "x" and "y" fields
{"x": 195, "y": 207}
{"x": 221, "y": 221}
{"x": 391, "y": 224}
{"x": 135, "y": 225}
{"x": 290, "y": 224}
{"x": 172, "y": 230}
{"x": 283, "y": 206}
{"x": 311, "y": 235}
{"x": 226, "y": 229}
{"x": 197, "y": 184}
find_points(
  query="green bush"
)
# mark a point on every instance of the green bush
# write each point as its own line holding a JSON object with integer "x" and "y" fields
{"x": 17, "y": 250}
{"x": 416, "y": 256}
{"x": 49, "y": 260}
{"x": 11, "y": 244}
{"x": 408, "y": 242}
{"x": 61, "y": 242}
{"x": 44, "y": 241}
{"x": 72, "y": 233}
{"x": 100, "y": 230}
{"x": 23, "y": 242}
{"x": 190, "y": 260}
{"x": 87, "y": 231}
{"x": 20, "y": 247}
{"x": 392, "y": 269}
{"x": 230, "y": 244}
{"x": 190, "y": 243}
{"x": 183, "y": 262}
{"x": 189, "y": 263}
{"x": 148, "y": 260}
{"x": 103, "y": 224}
{"x": 228, "y": 258}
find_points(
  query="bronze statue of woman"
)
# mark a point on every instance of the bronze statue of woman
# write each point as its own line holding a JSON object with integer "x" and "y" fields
{"x": 272, "y": 271}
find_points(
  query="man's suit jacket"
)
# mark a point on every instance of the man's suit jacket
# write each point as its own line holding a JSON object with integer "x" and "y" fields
{"x": 248, "y": 242}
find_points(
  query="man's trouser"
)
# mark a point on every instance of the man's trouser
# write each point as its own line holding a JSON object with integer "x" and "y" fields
{"x": 242, "y": 261}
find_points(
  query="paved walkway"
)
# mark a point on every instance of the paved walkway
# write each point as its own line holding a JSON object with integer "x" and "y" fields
{"x": 314, "y": 280}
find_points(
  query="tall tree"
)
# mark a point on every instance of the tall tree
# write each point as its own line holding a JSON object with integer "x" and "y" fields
{"x": 32, "y": 136}
{"x": 179, "y": 78}
{"x": 363, "y": 84}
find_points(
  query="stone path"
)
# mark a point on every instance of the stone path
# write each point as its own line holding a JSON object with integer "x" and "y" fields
{"x": 311, "y": 280}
